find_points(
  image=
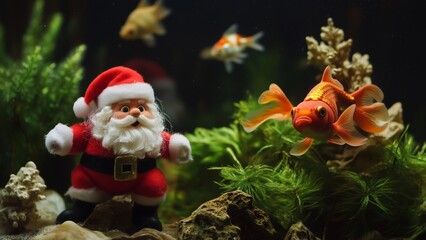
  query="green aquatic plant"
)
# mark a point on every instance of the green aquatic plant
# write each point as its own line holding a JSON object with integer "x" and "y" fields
{"x": 305, "y": 189}
{"x": 212, "y": 148}
{"x": 35, "y": 90}
{"x": 283, "y": 192}
{"x": 380, "y": 190}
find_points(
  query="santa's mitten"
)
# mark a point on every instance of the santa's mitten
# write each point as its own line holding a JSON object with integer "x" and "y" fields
{"x": 180, "y": 149}
{"x": 59, "y": 140}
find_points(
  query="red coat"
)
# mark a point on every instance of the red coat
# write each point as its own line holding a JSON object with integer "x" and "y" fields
{"x": 149, "y": 184}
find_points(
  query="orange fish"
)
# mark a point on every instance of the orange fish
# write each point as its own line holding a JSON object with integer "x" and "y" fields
{"x": 143, "y": 22}
{"x": 328, "y": 113}
{"x": 230, "y": 47}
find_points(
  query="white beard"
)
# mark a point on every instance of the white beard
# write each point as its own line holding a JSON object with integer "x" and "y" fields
{"x": 122, "y": 138}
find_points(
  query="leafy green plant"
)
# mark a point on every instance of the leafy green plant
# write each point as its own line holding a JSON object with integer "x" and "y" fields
{"x": 274, "y": 188}
{"x": 35, "y": 91}
{"x": 306, "y": 189}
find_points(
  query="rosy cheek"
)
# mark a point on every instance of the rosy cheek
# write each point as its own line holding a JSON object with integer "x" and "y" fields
{"x": 120, "y": 115}
{"x": 147, "y": 114}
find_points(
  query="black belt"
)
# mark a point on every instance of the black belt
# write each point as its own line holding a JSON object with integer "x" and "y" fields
{"x": 125, "y": 167}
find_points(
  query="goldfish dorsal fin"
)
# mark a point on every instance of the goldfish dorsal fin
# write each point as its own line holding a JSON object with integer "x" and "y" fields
{"x": 327, "y": 77}
{"x": 301, "y": 147}
{"x": 344, "y": 127}
{"x": 231, "y": 30}
{"x": 160, "y": 10}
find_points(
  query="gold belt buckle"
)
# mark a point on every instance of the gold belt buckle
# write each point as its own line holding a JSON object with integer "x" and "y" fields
{"x": 125, "y": 167}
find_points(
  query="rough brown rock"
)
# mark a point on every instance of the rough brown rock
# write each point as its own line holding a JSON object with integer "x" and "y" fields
{"x": 299, "y": 231}
{"x": 230, "y": 216}
{"x": 114, "y": 214}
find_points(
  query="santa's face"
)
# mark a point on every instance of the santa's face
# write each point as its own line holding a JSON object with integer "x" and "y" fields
{"x": 130, "y": 127}
{"x": 134, "y": 107}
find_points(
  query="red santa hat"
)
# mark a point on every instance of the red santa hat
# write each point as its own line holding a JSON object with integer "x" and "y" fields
{"x": 113, "y": 85}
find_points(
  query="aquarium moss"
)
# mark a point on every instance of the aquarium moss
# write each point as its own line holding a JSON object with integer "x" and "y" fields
{"x": 35, "y": 90}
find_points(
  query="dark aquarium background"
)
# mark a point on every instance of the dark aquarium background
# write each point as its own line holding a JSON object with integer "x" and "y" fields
{"x": 201, "y": 94}
{"x": 388, "y": 31}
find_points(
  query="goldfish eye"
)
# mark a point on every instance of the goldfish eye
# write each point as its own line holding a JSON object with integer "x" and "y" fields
{"x": 292, "y": 113}
{"x": 321, "y": 111}
{"x": 125, "y": 109}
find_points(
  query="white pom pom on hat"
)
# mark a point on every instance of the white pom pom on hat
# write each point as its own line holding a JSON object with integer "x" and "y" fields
{"x": 111, "y": 86}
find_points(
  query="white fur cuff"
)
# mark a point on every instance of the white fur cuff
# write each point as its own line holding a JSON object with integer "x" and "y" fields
{"x": 180, "y": 148}
{"x": 59, "y": 140}
{"x": 92, "y": 195}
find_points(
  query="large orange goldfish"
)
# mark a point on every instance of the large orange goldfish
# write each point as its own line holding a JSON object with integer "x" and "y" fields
{"x": 230, "y": 47}
{"x": 328, "y": 113}
{"x": 143, "y": 22}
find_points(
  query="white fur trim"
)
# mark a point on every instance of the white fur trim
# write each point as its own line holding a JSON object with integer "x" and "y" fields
{"x": 180, "y": 148}
{"x": 81, "y": 109}
{"x": 147, "y": 201}
{"x": 126, "y": 91}
{"x": 59, "y": 140}
{"x": 92, "y": 195}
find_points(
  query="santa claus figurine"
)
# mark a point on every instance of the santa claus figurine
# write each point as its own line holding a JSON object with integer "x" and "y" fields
{"x": 120, "y": 139}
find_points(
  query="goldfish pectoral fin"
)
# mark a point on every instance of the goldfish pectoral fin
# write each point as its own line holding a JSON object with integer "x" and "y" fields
{"x": 257, "y": 117}
{"x": 149, "y": 40}
{"x": 301, "y": 147}
{"x": 327, "y": 77}
{"x": 228, "y": 66}
{"x": 255, "y": 42}
{"x": 336, "y": 140}
{"x": 275, "y": 94}
{"x": 231, "y": 30}
{"x": 239, "y": 59}
{"x": 344, "y": 127}
{"x": 373, "y": 118}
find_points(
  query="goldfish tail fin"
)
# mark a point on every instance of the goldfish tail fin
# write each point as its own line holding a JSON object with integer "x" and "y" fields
{"x": 255, "y": 42}
{"x": 344, "y": 127}
{"x": 275, "y": 94}
{"x": 301, "y": 147}
{"x": 373, "y": 118}
{"x": 257, "y": 117}
{"x": 336, "y": 140}
{"x": 367, "y": 95}
{"x": 279, "y": 109}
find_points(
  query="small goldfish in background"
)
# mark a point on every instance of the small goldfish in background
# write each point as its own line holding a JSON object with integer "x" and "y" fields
{"x": 143, "y": 22}
{"x": 328, "y": 113}
{"x": 230, "y": 47}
